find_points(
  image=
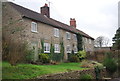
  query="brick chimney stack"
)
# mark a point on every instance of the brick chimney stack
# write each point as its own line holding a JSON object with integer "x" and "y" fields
{"x": 45, "y": 10}
{"x": 73, "y": 22}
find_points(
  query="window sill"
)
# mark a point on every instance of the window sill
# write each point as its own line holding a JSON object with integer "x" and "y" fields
{"x": 69, "y": 52}
{"x": 75, "y": 52}
{"x": 34, "y": 31}
{"x": 57, "y": 52}
{"x": 68, "y": 38}
{"x": 46, "y": 51}
{"x": 56, "y": 36}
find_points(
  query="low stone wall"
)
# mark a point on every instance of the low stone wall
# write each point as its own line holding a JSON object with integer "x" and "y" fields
{"x": 100, "y": 55}
{"x": 71, "y": 74}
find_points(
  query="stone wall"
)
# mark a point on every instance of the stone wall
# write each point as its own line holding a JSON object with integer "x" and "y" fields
{"x": 72, "y": 74}
{"x": 100, "y": 55}
{"x": 88, "y": 44}
{"x": 13, "y": 21}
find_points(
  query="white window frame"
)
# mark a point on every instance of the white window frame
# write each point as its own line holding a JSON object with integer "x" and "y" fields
{"x": 57, "y": 48}
{"x": 75, "y": 37}
{"x": 68, "y": 35}
{"x": 33, "y": 26}
{"x": 56, "y": 32}
{"x": 46, "y": 48}
{"x": 68, "y": 51}
{"x": 75, "y": 49}
{"x": 86, "y": 39}
{"x": 90, "y": 41}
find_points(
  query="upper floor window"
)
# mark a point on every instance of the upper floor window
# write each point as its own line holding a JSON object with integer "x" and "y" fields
{"x": 57, "y": 48}
{"x": 75, "y": 36}
{"x": 68, "y": 35}
{"x": 85, "y": 39}
{"x": 56, "y": 32}
{"x": 46, "y": 48}
{"x": 34, "y": 27}
{"x": 90, "y": 41}
{"x": 68, "y": 49}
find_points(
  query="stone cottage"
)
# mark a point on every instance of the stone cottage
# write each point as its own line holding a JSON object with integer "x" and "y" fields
{"x": 40, "y": 26}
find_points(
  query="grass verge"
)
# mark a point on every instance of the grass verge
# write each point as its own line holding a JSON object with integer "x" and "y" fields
{"x": 29, "y": 71}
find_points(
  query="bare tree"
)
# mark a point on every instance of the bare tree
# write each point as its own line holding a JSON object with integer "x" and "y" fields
{"x": 101, "y": 41}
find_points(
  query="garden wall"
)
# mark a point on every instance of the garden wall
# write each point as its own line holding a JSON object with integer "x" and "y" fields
{"x": 72, "y": 74}
{"x": 100, "y": 55}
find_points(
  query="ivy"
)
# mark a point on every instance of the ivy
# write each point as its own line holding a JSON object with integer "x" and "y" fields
{"x": 51, "y": 51}
{"x": 79, "y": 42}
{"x": 42, "y": 45}
{"x": 116, "y": 39}
{"x": 61, "y": 49}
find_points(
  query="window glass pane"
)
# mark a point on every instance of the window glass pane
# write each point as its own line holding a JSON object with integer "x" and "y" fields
{"x": 46, "y": 47}
{"x": 57, "y": 49}
{"x": 34, "y": 27}
{"x": 75, "y": 37}
{"x": 68, "y": 36}
{"x": 68, "y": 49}
{"x": 56, "y": 32}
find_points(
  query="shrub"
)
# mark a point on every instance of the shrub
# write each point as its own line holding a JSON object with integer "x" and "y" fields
{"x": 29, "y": 55}
{"x": 56, "y": 57}
{"x": 73, "y": 58}
{"x": 44, "y": 58}
{"x": 86, "y": 77}
{"x": 81, "y": 55}
{"x": 110, "y": 64}
{"x": 118, "y": 66}
{"x": 86, "y": 64}
{"x": 91, "y": 64}
{"x": 100, "y": 65}
{"x": 13, "y": 51}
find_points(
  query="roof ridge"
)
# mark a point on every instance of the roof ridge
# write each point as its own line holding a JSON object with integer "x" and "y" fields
{"x": 60, "y": 22}
{"x": 50, "y": 21}
{"x": 23, "y": 7}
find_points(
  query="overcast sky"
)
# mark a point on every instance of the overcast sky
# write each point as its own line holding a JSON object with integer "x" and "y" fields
{"x": 94, "y": 17}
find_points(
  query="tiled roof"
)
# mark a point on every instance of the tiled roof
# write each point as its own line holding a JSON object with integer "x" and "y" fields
{"x": 41, "y": 18}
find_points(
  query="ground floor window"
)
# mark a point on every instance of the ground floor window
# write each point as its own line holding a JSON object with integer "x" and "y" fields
{"x": 75, "y": 49}
{"x": 68, "y": 49}
{"x": 46, "y": 48}
{"x": 57, "y": 48}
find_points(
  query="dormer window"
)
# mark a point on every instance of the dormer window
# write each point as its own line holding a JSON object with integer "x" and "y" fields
{"x": 34, "y": 27}
{"x": 68, "y": 35}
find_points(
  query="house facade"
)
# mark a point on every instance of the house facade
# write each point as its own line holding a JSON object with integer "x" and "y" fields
{"x": 33, "y": 27}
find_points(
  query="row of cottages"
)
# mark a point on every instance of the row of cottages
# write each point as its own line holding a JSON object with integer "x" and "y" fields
{"x": 37, "y": 26}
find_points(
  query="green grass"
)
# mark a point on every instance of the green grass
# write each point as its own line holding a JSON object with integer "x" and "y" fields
{"x": 29, "y": 71}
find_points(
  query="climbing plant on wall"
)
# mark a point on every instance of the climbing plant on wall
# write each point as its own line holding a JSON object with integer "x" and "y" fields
{"x": 79, "y": 42}
{"x": 42, "y": 46}
{"x": 61, "y": 49}
{"x": 51, "y": 51}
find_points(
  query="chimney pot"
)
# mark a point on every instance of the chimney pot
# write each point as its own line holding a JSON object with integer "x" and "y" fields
{"x": 70, "y": 18}
{"x": 46, "y": 4}
{"x": 73, "y": 22}
{"x": 45, "y": 10}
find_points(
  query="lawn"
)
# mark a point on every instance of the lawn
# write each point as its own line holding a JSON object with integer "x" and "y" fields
{"x": 29, "y": 71}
